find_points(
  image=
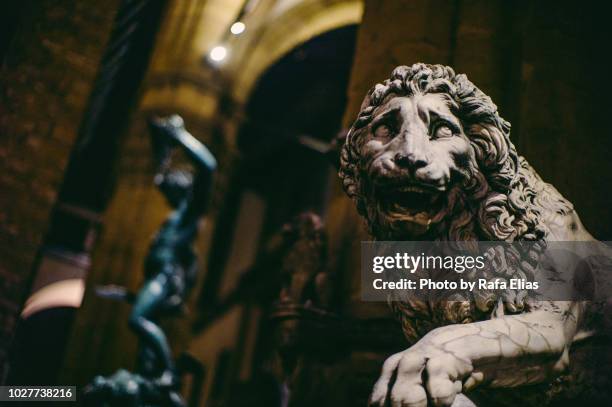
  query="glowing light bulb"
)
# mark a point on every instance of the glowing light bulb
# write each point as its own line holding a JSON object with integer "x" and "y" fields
{"x": 238, "y": 28}
{"x": 218, "y": 53}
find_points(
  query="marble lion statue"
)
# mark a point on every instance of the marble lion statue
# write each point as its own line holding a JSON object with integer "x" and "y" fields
{"x": 430, "y": 158}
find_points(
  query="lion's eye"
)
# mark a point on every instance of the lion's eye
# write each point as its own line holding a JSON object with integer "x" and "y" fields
{"x": 383, "y": 132}
{"x": 443, "y": 131}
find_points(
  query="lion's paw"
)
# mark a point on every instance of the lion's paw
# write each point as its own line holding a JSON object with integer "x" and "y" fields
{"x": 424, "y": 376}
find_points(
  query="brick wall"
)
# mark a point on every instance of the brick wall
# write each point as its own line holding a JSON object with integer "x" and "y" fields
{"x": 45, "y": 82}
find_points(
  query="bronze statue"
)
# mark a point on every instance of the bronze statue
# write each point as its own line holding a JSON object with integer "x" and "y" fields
{"x": 430, "y": 158}
{"x": 170, "y": 270}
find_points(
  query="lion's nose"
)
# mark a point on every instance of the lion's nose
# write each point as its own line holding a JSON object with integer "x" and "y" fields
{"x": 410, "y": 161}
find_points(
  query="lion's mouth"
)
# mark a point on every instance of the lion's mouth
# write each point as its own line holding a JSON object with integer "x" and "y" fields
{"x": 414, "y": 202}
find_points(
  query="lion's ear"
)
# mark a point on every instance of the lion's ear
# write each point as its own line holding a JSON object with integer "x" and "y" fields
{"x": 348, "y": 172}
{"x": 495, "y": 155}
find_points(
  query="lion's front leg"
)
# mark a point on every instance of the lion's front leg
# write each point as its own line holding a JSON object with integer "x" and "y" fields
{"x": 504, "y": 352}
{"x": 421, "y": 373}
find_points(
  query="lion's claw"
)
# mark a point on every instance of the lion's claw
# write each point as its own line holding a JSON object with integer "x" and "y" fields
{"x": 423, "y": 376}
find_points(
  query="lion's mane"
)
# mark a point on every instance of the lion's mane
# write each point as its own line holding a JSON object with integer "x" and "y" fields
{"x": 502, "y": 200}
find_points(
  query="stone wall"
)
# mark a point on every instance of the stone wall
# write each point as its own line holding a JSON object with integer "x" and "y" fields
{"x": 45, "y": 81}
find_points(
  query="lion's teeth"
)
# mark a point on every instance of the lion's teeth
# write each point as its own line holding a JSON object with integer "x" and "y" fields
{"x": 412, "y": 188}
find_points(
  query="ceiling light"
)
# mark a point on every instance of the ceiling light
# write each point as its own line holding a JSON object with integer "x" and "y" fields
{"x": 218, "y": 53}
{"x": 238, "y": 28}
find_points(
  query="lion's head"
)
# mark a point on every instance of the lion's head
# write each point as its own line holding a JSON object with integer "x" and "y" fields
{"x": 429, "y": 156}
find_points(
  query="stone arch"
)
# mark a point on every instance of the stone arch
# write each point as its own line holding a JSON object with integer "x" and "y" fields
{"x": 285, "y": 30}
